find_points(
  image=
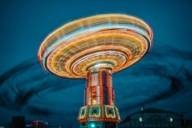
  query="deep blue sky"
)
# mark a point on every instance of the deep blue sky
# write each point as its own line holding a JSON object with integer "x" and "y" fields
{"x": 163, "y": 79}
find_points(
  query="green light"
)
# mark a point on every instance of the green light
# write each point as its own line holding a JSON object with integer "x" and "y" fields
{"x": 92, "y": 125}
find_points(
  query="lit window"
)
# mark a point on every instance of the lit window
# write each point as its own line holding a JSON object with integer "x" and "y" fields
{"x": 171, "y": 119}
{"x": 140, "y": 119}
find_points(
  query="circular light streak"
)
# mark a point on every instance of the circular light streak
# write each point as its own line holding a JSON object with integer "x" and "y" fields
{"x": 114, "y": 41}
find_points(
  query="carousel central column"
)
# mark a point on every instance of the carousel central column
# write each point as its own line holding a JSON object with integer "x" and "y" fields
{"x": 99, "y": 110}
{"x": 99, "y": 90}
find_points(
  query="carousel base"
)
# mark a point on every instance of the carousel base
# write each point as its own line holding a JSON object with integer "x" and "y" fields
{"x": 96, "y": 124}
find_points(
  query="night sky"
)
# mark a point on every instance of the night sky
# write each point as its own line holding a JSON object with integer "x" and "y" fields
{"x": 162, "y": 79}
